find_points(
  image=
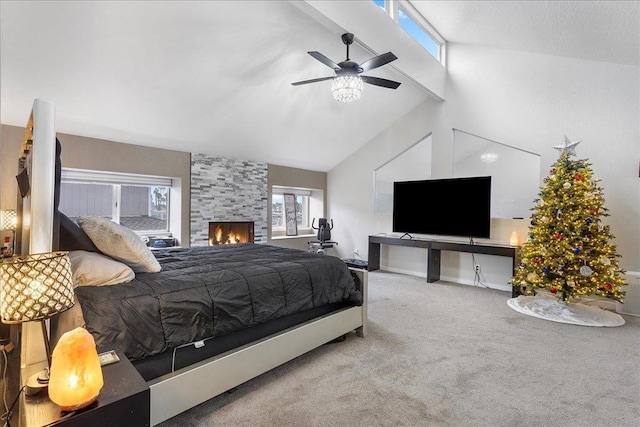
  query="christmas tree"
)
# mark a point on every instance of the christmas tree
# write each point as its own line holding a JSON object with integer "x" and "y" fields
{"x": 569, "y": 251}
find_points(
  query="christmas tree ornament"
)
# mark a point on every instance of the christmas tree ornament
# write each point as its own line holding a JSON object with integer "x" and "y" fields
{"x": 559, "y": 214}
{"x": 545, "y": 270}
{"x": 576, "y": 250}
{"x": 557, "y": 236}
{"x": 566, "y": 185}
{"x": 608, "y": 286}
{"x": 578, "y": 177}
{"x": 553, "y": 289}
{"x": 571, "y": 283}
{"x": 553, "y": 170}
{"x": 604, "y": 260}
{"x": 586, "y": 271}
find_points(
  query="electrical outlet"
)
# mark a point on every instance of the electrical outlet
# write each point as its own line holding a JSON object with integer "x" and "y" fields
{"x": 356, "y": 252}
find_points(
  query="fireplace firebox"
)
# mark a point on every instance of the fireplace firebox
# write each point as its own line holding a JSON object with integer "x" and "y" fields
{"x": 229, "y": 232}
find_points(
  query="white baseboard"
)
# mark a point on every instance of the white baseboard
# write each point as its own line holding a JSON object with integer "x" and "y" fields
{"x": 500, "y": 287}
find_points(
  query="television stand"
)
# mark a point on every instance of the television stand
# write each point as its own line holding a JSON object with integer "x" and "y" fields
{"x": 434, "y": 249}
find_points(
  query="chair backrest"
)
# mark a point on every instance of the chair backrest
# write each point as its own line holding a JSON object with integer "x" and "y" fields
{"x": 324, "y": 231}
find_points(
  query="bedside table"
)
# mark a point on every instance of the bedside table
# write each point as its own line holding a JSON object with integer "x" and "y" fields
{"x": 123, "y": 401}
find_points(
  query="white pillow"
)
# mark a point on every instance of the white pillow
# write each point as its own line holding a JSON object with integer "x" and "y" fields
{"x": 120, "y": 243}
{"x": 94, "y": 269}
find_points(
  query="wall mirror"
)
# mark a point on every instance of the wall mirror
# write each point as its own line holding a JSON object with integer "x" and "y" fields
{"x": 515, "y": 173}
{"x": 414, "y": 163}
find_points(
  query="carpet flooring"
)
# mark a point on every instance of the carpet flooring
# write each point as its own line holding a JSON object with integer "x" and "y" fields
{"x": 442, "y": 354}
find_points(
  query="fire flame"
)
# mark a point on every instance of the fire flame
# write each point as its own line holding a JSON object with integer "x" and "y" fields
{"x": 231, "y": 237}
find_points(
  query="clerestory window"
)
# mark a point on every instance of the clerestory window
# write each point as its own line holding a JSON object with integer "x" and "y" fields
{"x": 416, "y": 25}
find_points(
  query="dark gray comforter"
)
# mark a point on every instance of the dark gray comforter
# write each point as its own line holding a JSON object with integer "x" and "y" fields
{"x": 204, "y": 292}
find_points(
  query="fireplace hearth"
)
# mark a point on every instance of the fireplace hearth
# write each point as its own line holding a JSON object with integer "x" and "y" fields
{"x": 230, "y": 232}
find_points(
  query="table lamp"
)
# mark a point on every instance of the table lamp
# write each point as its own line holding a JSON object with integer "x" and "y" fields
{"x": 8, "y": 221}
{"x": 34, "y": 288}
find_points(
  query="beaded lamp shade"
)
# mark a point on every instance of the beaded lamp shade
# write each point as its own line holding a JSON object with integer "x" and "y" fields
{"x": 8, "y": 219}
{"x": 35, "y": 287}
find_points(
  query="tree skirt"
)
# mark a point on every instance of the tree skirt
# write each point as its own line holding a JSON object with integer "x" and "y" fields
{"x": 572, "y": 313}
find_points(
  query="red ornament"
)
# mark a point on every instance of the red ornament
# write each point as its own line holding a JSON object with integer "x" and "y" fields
{"x": 557, "y": 236}
{"x": 608, "y": 286}
{"x": 578, "y": 177}
{"x": 553, "y": 289}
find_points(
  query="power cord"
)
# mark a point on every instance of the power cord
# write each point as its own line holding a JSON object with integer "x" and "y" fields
{"x": 4, "y": 380}
{"x": 478, "y": 279}
{"x": 7, "y": 415}
{"x": 6, "y": 347}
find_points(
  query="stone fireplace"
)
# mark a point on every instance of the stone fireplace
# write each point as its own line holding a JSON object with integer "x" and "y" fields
{"x": 229, "y": 232}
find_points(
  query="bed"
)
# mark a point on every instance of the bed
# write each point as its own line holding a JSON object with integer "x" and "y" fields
{"x": 212, "y": 317}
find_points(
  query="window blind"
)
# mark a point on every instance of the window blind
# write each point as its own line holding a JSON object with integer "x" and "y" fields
{"x": 83, "y": 176}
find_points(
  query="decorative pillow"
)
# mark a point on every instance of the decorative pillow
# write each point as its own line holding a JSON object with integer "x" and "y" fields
{"x": 72, "y": 238}
{"x": 94, "y": 269}
{"x": 120, "y": 243}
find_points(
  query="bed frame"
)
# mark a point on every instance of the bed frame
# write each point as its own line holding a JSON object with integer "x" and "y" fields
{"x": 181, "y": 390}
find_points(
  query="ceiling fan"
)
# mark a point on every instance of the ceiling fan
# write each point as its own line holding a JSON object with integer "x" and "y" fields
{"x": 347, "y": 83}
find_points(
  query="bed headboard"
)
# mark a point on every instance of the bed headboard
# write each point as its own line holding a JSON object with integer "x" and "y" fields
{"x": 36, "y": 210}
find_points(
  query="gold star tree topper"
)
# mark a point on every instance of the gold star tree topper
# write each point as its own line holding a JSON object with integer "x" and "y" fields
{"x": 568, "y": 147}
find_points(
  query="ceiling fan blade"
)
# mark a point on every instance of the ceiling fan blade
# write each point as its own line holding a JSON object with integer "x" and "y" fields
{"x": 326, "y": 61}
{"x": 304, "y": 82}
{"x": 378, "y": 61}
{"x": 377, "y": 81}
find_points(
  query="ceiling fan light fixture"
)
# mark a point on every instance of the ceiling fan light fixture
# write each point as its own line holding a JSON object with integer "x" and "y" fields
{"x": 346, "y": 87}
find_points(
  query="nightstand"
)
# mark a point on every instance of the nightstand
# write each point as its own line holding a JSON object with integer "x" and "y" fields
{"x": 123, "y": 400}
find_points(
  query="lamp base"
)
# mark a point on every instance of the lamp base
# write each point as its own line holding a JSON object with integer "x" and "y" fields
{"x": 37, "y": 382}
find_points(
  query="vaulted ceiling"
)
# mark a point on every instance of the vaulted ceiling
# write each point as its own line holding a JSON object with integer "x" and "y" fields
{"x": 214, "y": 77}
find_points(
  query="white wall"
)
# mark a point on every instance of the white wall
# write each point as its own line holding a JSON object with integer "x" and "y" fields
{"x": 532, "y": 101}
{"x": 529, "y": 101}
{"x": 350, "y": 185}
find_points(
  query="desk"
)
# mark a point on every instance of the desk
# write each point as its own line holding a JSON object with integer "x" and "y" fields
{"x": 434, "y": 248}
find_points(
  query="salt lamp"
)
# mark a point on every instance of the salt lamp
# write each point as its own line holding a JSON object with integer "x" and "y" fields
{"x": 75, "y": 377}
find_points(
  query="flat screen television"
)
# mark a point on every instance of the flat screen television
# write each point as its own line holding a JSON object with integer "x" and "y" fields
{"x": 458, "y": 207}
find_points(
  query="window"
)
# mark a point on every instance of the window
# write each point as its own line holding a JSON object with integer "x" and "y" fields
{"x": 418, "y": 33}
{"x": 308, "y": 206}
{"x": 410, "y": 20}
{"x": 138, "y": 202}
